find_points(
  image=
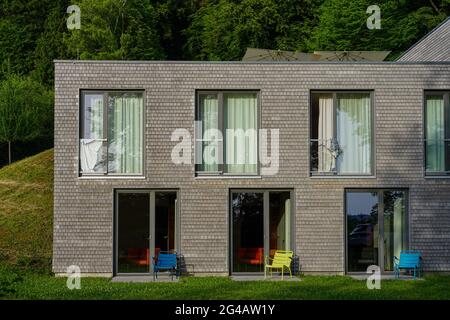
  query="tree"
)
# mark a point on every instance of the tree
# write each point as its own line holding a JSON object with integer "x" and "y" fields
{"x": 115, "y": 29}
{"x": 25, "y": 110}
{"x": 222, "y": 30}
{"x": 49, "y": 44}
{"x": 342, "y": 24}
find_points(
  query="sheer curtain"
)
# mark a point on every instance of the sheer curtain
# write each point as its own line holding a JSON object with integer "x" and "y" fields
{"x": 125, "y": 133}
{"x": 354, "y": 133}
{"x": 435, "y": 134}
{"x": 209, "y": 116}
{"x": 240, "y": 123}
{"x": 91, "y": 144}
{"x": 325, "y": 135}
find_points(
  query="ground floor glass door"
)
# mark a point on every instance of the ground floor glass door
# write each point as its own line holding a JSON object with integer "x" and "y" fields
{"x": 261, "y": 223}
{"x": 376, "y": 228}
{"x": 146, "y": 224}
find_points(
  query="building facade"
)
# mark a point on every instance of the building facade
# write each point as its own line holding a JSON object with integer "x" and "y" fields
{"x": 362, "y": 173}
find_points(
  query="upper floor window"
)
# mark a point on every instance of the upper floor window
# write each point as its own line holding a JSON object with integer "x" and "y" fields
{"x": 341, "y": 133}
{"x": 437, "y": 133}
{"x": 111, "y": 135}
{"x": 227, "y": 133}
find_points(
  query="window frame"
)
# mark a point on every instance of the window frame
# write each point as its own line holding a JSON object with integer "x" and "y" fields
{"x": 221, "y": 172}
{"x": 266, "y": 221}
{"x": 406, "y": 237}
{"x": 446, "y": 97}
{"x": 105, "y": 93}
{"x": 334, "y": 93}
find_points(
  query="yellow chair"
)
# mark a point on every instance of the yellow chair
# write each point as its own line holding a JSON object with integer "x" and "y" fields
{"x": 281, "y": 259}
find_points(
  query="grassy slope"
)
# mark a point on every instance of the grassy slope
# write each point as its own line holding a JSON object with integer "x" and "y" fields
{"x": 26, "y": 209}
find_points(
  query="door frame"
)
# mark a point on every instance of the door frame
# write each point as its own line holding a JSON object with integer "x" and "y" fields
{"x": 152, "y": 205}
{"x": 380, "y": 196}
{"x": 266, "y": 222}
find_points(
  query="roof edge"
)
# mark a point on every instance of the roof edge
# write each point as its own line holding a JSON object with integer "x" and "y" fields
{"x": 423, "y": 38}
{"x": 249, "y": 62}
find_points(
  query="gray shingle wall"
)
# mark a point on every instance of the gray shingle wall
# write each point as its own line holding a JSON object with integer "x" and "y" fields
{"x": 84, "y": 207}
{"x": 433, "y": 47}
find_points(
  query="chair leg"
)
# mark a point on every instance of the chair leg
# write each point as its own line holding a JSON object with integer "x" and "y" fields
{"x": 282, "y": 272}
{"x": 290, "y": 272}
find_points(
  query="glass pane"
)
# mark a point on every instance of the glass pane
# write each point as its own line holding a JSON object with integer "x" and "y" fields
{"x": 394, "y": 226}
{"x": 279, "y": 221}
{"x": 241, "y": 124}
{"x": 210, "y": 138}
{"x": 362, "y": 230}
{"x": 435, "y": 134}
{"x": 248, "y": 231}
{"x": 125, "y": 132}
{"x": 322, "y": 131}
{"x": 92, "y": 144}
{"x": 133, "y": 232}
{"x": 354, "y": 133}
{"x": 165, "y": 206}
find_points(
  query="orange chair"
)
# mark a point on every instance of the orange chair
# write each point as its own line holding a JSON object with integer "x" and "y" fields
{"x": 253, "y": 256}
{"x": 139, "y": 256}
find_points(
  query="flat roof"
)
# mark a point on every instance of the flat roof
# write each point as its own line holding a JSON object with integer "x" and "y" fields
{"x": 251, "y": 62}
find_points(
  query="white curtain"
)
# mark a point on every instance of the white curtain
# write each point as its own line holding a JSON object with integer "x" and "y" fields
{"x": 209, "y": 116}
{"x": 91, "y": 143}
{"x": 435, "y": 134}
{"x": 354, "y": 133}
{"x": 241, "y": 116}
{"x": 125, "y": 133}
{"x": 326, "y": 159}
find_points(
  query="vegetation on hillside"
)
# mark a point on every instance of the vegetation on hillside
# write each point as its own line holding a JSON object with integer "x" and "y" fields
{"x": 26, "y": 211}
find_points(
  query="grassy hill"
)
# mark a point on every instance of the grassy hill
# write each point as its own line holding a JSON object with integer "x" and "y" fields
{"x": 26, "y": 210}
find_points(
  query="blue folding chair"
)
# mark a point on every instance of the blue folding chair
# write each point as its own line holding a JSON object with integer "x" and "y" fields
{"x": 409, "y": 260}
{"x": 165, "y": 262}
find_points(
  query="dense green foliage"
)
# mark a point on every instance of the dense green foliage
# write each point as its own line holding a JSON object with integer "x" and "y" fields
{"x": 33, "y": 32}
{"x": 342, "y": 24}
{"x": 26, "y": 110}
{"x": 17, "y": 284}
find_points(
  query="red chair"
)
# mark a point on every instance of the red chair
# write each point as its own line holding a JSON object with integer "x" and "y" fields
{"x": 139, "y": 256}
{"x": 253, "y": 256}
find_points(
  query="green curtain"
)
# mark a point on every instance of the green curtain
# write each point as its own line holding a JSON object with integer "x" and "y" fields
{"x": 354, "y": 133}
{"x": 125, "y": 133}
{"x": 209, "y": 117}
{"x": 435, "y": 154}
{"x": 241, "y": 138}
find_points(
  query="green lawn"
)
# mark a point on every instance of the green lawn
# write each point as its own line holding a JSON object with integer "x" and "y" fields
{"x": 27, "y": 285}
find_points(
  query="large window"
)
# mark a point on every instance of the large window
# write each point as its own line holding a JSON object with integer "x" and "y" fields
{"x": 227, "y": 133}
{"x": 376, "y": 228}
{"x": 341, "y": 133}
{"x": 437, "y": 133}
{"x": 111, "y": 137}
{"x": 261, "y": 223}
